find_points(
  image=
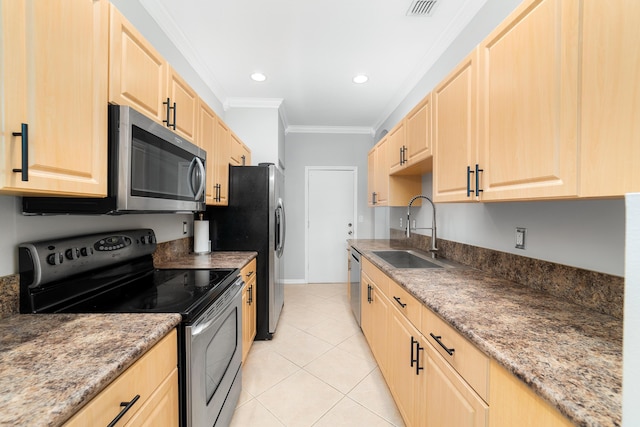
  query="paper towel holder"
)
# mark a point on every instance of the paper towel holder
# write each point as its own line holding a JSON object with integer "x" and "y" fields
{"x": 201, "y": 241}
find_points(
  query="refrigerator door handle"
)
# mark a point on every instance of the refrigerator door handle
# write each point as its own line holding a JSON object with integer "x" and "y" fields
{"x": 281, "y": 228}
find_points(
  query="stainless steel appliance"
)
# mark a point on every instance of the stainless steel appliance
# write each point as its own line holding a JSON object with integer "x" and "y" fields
{"x": 354, "y": 282}
{"x": 113, "y": 272}
{"x": 151, "y": 169}
{"x": 255, "y": 220}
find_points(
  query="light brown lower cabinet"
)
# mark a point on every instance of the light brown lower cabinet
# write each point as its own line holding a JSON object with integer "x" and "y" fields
{"x": 248, "y": 274}
{"x": 153, "y": 377}
{"x": 436, "y": 376}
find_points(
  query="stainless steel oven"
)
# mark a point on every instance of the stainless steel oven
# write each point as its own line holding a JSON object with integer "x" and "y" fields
{"x": 113, "y": 273}
{"x": 213, "y": 361}
{"x": 151, "y": 169}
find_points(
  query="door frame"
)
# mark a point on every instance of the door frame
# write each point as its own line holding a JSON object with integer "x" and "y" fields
{"x": 307, "y": 169}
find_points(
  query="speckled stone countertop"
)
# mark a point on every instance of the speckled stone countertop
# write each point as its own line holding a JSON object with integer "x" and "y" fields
{"x": 567, "y": 354}
{"x": 53, "y": 364}
{"x": 213, "y": 260}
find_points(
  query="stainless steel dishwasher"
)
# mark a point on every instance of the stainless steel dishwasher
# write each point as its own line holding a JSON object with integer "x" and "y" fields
{"x": 354, "y": 283}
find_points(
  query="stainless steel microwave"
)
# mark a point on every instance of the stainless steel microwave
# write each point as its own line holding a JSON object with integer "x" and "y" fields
{"x": 151, "y": 169}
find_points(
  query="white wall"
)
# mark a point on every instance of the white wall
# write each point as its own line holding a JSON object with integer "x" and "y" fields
{"x": 16, "y": 228}
{"x": 320, "y": 150}
{"x": 260, "y": 129}
{"x": 631, "y": 345}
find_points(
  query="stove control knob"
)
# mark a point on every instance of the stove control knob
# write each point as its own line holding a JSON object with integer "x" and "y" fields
{"x": 86, "y": 251}
{"x": 73, "y": 253}
{"x": 55, "y": 258}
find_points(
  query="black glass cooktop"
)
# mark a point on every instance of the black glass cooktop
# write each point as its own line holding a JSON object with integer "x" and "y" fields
{"x": 137, "y": 288}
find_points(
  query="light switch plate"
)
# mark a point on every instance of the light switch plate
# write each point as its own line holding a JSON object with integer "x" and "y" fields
{"x": 520, "y": 236}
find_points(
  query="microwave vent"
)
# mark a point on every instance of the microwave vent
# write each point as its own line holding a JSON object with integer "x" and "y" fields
{"x": 422, "y": 8}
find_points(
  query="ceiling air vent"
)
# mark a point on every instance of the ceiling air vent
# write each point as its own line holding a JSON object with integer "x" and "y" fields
{"x": 422, "y": 7}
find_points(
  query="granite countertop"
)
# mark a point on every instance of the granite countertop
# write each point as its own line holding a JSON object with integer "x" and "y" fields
{"x": 53, "y": 364}
{"x": 216, "y": 259}
{"x": 567, "y": 354}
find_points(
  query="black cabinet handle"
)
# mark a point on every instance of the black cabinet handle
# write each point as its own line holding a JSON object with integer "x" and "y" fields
{"x": 373, "y": 198}
{"x": 127, "y": 406}
{"x": 437, "y": 338}
{"x": 24, "y": 133}
{"x": 415, "y": 356}
{"x": 469, "y": 172}
{"x": 244, "y": 160}
{"x": 478, "y": 170}
{"x": 402, "y": 304}
{"x": 169, "y": 108}
{"x": 369, "y": 299}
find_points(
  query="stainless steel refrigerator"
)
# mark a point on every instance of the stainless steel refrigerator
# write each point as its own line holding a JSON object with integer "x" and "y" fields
{"x": 255, "y": 221}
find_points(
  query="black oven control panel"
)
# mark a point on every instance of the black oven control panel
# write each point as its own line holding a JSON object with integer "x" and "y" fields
{"x": 52, "y": 260}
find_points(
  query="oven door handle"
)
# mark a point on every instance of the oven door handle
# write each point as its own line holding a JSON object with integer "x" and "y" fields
{"x": 204, "y": 323}
{"x": 199, "y": 174}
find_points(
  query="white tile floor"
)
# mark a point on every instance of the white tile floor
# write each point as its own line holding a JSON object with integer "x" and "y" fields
{"x": 317, "y": 371}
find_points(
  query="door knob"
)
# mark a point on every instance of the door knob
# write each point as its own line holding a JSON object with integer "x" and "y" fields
{"x": 350, "y": 233}
{"x": 350, "y": 224}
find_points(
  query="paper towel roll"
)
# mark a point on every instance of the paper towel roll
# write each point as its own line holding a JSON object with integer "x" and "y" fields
{"x": 201, "y": 242}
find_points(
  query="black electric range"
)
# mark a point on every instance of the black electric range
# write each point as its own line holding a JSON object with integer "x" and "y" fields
{"x": 112, "y": 273}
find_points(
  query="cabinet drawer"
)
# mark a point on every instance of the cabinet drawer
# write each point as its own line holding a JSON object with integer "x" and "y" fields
{"x": 465, "y": 358}
{"x": 405, "y": 302}
{"x": 248, "y": 272}
{"x": 142, "y": 378}
{"x": 376, "y": 275}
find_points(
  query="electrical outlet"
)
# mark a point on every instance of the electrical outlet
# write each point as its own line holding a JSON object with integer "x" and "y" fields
{"x": 520, "y": 235}
{"x": 185, "y": 229}
{"x": 400, "y": 222}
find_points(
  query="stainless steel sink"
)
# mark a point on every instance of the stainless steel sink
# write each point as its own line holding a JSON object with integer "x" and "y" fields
{"x": 407, "y": 259}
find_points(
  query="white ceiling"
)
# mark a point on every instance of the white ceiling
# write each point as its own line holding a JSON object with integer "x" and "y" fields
{"x": 310, "y": 51}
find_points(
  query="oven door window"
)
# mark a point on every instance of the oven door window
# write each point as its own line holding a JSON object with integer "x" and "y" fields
{"x": 220, "y": 352}
{"x": 160, "y": 169}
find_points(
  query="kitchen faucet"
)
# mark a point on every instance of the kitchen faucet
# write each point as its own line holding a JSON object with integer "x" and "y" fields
{"x": 433, "y": 248}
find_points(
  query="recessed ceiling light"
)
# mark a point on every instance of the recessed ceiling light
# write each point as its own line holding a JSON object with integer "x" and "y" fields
{"x": 258, "y": 77}
{"x": 360, "y": 78}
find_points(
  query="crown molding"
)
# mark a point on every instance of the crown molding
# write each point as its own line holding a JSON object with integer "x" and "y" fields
{"x": 359, "y": 130}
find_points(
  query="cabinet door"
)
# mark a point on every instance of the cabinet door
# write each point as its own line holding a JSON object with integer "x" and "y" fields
{"x": 185, "y": 100}
{"x": 382, "y": 172}
{"x": 455, "y": 131}
{"x": 221, "y": 162}
{"x": 418, "y": 136}
{"x": 449, "y": 399}
{"x": 162, "y": 408}
{"x": 529, "y": 103}
{"x": 380, "y": 326}
{"x": 206, "y": 139}
{"x": 54, "y": 58}
{"x": 610, "y": 98}
{"x": 371, "y": 178}
{"x": 236, "y": 150}
{"x": 397, "y": 148}
{"x": 137, "y": 72}
{"x": 405, "y": 361}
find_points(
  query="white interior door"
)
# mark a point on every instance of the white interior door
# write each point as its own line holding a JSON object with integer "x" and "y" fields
{"x": 331, "y": 214}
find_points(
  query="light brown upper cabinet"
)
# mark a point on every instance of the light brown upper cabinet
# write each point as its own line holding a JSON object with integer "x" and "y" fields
{"x": 221, "y": 159}
{"x": 137, "y": 72}
{"x": 528, "y": 104}
{"x": 141, "y": 78}
{"x": 610, "y": 98}
{"x": 412, "y": 146}
{"x": 455, "y": 132}
{"x": 206, "y": 139}
{"x": 378, "y": 173}
{"x": 240, "y": 153}
{"x": 184, "y": 106}
{"x": 54, "y": 56}
{"x": 521, "y": 86}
